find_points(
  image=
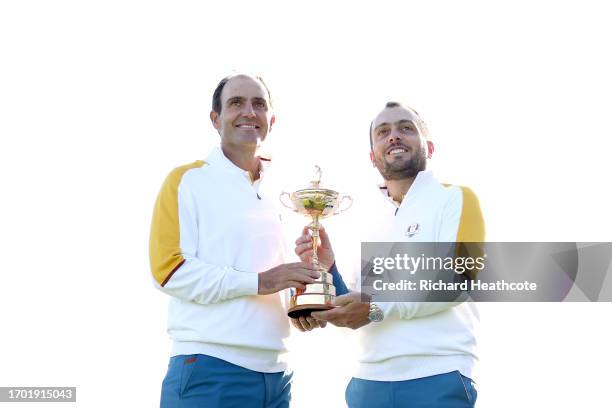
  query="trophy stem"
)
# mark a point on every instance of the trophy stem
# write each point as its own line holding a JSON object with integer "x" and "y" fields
{"x": 314, "y": 227}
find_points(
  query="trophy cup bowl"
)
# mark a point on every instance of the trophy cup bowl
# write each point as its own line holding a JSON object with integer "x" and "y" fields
{"x": 316, "y": 203}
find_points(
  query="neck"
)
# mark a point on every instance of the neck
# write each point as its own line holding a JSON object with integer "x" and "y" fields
{"x": 397, "y": 189}
{"x": 243, "y": 158}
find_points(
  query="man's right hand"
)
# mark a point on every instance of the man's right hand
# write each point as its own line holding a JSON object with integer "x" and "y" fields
{"x": 307, "y": 323}
{"x": 291, "y": 275}
{"x": 325, "y": 253}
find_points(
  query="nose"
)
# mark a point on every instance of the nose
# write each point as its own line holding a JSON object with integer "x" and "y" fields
{"x": 248, "y": 111}
{"x": 393, "y": 136}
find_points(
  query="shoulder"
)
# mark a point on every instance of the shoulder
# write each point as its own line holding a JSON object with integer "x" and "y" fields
{"x": 466, "y": 194}
{"x": 181, "y": 170}
{"x": 178, "y": 174}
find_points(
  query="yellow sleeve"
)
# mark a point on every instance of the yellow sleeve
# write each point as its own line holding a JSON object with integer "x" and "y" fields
{"x": 165, "y": 253}
{"x": 471, "y": 223}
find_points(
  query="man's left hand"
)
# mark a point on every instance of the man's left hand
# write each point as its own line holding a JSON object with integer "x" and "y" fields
{"x": 350, "y": 312}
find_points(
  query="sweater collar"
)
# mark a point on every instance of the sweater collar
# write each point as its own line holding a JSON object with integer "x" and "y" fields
{"x": 420, "y": 182}
{"x": 218, "y": 158}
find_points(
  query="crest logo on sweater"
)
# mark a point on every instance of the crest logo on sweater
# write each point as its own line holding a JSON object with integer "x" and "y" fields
{"x": 412, "y": 230}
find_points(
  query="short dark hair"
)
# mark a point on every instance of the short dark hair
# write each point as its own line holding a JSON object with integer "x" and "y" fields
{"x": 216, "y": 99}
{"x": 392, "y": 104}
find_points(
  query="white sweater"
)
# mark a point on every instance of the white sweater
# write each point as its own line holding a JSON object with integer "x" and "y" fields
{"x": 419, "y": 339}
{"x": 212, "y": 232}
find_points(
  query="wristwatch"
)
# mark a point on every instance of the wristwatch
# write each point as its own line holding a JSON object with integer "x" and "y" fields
{"x": 376, "y": 314}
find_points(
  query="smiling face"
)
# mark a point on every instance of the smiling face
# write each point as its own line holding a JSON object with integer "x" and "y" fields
{"x": 245, "y": 117}
{"x": 399, "y": 148}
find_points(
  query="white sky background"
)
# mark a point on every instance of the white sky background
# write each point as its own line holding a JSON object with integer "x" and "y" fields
{"x": 99, "y": 100}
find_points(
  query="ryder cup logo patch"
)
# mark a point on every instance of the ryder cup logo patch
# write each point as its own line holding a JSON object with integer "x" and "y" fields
{"x": 412, "y": 230}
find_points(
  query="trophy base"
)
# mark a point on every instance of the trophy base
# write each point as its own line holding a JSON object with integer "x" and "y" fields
{"x": 304, "y": 304}
{"x": 305, "y": 310}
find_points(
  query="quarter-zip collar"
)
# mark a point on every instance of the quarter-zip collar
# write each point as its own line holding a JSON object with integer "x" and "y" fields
{"x": 420, "y": 182}
{"x": 218, "y": 158}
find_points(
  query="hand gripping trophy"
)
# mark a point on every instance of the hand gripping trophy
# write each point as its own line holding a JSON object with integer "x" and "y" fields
{"x": 316, "y": 203}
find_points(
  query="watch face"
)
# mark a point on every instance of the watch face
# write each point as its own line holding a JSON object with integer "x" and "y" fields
{"x": 376, "y": 314}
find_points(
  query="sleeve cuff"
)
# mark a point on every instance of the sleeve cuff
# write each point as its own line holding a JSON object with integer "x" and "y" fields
{"x": 243, "y": 283}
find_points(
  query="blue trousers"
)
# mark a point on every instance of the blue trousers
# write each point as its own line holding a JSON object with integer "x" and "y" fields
{"x": 450, "y": 390}
{"x": 203, "y": 381}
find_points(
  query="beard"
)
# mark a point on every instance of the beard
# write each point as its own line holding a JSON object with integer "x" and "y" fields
{"x": 399, "y": 169}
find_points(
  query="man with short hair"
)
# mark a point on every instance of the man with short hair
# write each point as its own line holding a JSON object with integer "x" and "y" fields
{"x": 216, "y": 249}
{"x": 416, "y": 354}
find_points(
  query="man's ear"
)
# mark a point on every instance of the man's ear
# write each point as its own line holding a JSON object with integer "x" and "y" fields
{"x": 430, "y": 149}
{"x": 272, "y": 122}
{"x": 214, "y": 118}
{"x": 372, "y": 158}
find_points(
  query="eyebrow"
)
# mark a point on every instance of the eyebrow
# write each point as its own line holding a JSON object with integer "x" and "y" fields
{"x": 399, "y": 122}
{"x": 234, "y": 98}
{"x": 404, "y": 121}
{"x": 242, "y": 98}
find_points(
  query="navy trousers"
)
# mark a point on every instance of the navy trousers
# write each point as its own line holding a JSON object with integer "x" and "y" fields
{"x": 203, "y": 381}
{"x": 450, "y": 390}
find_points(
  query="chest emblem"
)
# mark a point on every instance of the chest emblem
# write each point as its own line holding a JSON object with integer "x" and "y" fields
{"x": 412, "y": 230}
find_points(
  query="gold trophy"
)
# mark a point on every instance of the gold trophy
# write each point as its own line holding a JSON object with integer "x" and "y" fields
{"x": 316, "y": 203}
